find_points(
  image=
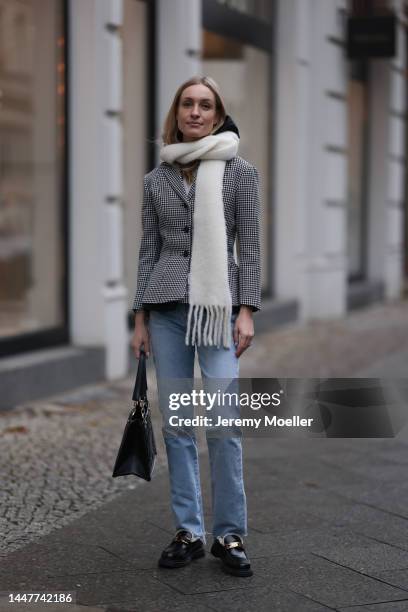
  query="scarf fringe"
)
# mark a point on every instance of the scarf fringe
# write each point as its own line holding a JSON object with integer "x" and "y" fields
{"x": 217, "y": 328}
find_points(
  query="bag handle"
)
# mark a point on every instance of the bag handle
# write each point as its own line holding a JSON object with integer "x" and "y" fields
{"x": 140, "y": 389}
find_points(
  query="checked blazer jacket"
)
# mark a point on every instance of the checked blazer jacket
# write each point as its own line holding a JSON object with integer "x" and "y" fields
{"x": 166, "y": 245}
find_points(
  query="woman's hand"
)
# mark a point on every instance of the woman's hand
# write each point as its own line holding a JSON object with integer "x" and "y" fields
{"x": 141, "y": 335}
{"x": 243, "y": 330}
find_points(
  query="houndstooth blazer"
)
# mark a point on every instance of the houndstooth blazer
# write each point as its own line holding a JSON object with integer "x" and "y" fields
{"x": 167, "y": 222}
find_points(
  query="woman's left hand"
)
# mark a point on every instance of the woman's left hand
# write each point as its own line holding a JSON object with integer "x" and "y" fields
{"x": 243, "y": 330}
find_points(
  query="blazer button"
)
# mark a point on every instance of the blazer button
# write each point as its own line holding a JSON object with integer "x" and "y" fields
{"x": 186, "y": 229}
{"x": 185, "y": 253}
{"x": 185, "y": 205}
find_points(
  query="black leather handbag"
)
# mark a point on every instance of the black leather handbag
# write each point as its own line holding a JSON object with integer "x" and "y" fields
{"x": 137, "y": 451}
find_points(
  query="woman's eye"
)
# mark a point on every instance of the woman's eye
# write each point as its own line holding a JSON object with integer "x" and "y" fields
{"x": 205, "y": 106}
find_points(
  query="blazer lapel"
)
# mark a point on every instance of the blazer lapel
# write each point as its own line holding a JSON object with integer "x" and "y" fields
{"x": 175, "y": 180}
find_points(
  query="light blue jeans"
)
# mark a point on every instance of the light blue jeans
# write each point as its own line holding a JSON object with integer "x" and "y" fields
{"x": 174, "y": 363}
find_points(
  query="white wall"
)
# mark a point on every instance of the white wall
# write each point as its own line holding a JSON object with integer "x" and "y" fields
{"x": 394, "y": 240}
{"x": 387, "y": 166}
{"x": 135, "y": 132}
{"x": 310, "y": 157}
{"x": 311, "y": 160}
{"x": 178, "y": 35}
{"x": 98, "y": 298}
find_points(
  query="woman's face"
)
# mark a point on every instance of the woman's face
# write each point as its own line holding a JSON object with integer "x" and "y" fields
{"x": 196, "y": 113}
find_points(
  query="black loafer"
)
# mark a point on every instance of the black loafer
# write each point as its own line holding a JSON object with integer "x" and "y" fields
{"x": 181, "y": 550}
{"x": 232, "y": 553}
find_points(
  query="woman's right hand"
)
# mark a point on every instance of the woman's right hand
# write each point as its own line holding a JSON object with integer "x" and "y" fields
{"x": 141, "y": 335}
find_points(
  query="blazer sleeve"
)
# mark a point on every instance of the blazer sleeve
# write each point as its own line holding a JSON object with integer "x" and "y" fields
{"x": 150, "y": 245}
{"x": 248, "y": 234}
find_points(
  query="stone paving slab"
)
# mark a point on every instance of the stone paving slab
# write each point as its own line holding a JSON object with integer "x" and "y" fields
{"x": 152, "y": 604}
{"x": 282, "y": 517}
{"x": 382, "y": 495}
{"x": 326, "y": 582}
{"x": 324, "y": 541}
{"x": 397, "y": 606}
{"x": 327, "y": 505}
{"x": 396, "y": 577}
{"x": 40, "y": 561}
{"x": 264, "y": 599}
{"x": 327, "y": 517}
{"x": 364, "y": 555}
{"x": 62, "y": 607}
{"x": 206, "y": 576}
{"x": 104, "y": 588}
{"x": 377, "y": 524}
{"x": 260, "y": 545}
{"x": 314, "y": 472}
{"x": 381, "y": 470}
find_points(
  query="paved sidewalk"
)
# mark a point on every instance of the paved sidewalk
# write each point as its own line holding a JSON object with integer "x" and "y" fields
{"x": 328, "y": 519}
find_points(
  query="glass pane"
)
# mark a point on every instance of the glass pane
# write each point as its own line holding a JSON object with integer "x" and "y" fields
{"x": 357, "y": 129}
{"x": 32, "y": 92}
{"x": 242, "y": 72}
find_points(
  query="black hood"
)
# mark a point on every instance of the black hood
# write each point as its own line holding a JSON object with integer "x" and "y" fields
{"x": 228, "y": 126}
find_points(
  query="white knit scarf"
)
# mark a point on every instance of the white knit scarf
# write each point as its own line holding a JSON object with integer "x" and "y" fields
{"x": 209, "y": 286}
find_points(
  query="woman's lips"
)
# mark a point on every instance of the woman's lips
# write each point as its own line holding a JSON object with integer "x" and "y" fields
{"x": 195, "y": 124}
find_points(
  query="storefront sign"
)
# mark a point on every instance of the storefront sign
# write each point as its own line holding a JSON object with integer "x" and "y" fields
{"x": 371, "y": 36}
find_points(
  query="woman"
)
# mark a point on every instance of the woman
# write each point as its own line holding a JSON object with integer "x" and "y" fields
{"x": 192, "y": 294}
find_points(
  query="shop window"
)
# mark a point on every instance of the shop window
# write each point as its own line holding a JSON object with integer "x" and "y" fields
{"x": 32, "y": 163}
{"x": 357, "y": 167}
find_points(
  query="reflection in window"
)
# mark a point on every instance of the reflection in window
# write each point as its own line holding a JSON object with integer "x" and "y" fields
{"x": 31, "y": 153}
{"x": 135, "y": 130}
{"x": 357, "y": 159}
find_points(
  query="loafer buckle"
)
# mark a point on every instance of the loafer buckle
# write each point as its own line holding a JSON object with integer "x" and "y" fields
{"x": 232, "y": 545}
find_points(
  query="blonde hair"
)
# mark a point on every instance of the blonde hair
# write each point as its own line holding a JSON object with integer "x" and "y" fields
{"x": 171, "y": 134}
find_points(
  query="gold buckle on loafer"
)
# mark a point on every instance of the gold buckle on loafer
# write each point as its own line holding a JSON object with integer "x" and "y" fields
{"x": 232, "y": 545}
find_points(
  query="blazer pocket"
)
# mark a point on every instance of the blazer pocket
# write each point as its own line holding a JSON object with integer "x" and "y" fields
{"x": 157, "y": 273}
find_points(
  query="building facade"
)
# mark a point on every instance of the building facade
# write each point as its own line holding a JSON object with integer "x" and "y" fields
{"x": 85, "y": 86}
